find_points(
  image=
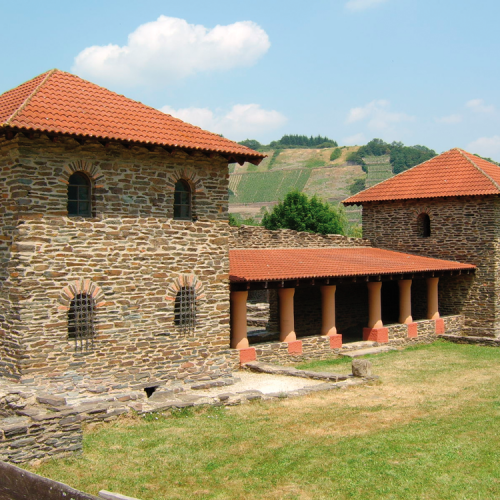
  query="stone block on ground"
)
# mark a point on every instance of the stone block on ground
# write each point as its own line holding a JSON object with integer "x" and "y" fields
{"x": 361, "y": 368}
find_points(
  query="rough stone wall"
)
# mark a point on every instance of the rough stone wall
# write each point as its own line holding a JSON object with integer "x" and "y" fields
{"x": 131, "y": 253}
{"x": 313, "y": 348}
{"x": 462, "y": 229}
{"x": 23, "y": 439}
{"x": 260, "y": 237}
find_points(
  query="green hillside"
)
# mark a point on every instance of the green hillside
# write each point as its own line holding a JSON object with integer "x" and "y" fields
{"x": 308, "y": 170}
{"x": 252, "y": 187}
{"x": 316, "y": 166}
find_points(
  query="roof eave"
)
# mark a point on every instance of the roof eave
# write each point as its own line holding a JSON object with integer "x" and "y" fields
{"x": 232, "y": 157}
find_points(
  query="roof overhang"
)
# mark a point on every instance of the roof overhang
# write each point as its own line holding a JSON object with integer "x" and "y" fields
{"x": 290, "y": 267}
{"x": 11, "y": 132}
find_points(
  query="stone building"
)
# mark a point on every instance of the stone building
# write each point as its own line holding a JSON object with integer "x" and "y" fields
{"x": 445, "y": 208}
{"x": 114, "y": 240}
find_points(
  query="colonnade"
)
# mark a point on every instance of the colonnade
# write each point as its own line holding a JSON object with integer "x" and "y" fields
{"x": 239, "y": 338}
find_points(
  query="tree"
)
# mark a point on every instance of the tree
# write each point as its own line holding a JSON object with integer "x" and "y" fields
{"x": 301, "y": 213}
{"x": 405, "y": 157}
{"x": 251, "y": 143}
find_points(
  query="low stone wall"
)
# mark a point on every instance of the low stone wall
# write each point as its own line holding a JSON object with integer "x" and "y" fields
{"x": 307, "y": 348}
{"x": 260, "y": 237}
{"x": 427, "y": 330}
{"x": 318, "y": 347}
{"x": 52, "y": 435}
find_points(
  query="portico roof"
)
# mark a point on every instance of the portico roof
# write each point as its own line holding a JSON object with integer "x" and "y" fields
{"x": 280, "y": 264}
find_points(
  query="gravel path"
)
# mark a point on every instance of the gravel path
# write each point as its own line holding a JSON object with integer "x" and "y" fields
{"x": 262, "y": 382}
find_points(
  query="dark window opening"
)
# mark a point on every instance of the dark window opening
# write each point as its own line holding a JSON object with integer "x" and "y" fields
{"x": 79, "y": 195}
{"x": 81, "y": 322}
{"x": 182, "y": 201}
{"x": 185, "y": 309}
{"x": 424, "y": 225}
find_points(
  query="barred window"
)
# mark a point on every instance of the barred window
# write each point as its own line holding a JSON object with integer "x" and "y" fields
{"x": 82, "y": 322}
{"x": 185, "y": 309}
{"x": 424, "y": 225}
{"x": 182, "y": 201}
{"x": 79, "y": 195}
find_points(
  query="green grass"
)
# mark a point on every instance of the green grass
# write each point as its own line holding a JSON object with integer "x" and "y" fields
{"x": 430, "y": 430}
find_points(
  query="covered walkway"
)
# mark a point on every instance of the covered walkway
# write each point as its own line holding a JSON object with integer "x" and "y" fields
{"x": 287, "y": 270}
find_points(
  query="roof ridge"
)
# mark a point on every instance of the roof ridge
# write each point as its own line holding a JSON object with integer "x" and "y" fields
{"x": 390, "y": 178}
{"x": 28, "y": 99}
{"x": 477, "y": 167}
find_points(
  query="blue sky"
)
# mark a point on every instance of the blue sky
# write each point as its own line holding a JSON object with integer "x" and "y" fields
{"x": 418, "y": 71}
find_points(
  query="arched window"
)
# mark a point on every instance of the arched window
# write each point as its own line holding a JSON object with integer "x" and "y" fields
{"x": 79, "y": 195}
{"x": 185, "y": 309}
{"x": 424, "y": 225}
{"x": 81, "y": 321}
{"x": 182, "y": 201}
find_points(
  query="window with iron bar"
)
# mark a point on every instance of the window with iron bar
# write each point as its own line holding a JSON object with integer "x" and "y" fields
{"x": 185, "y": 309}
{"x": 82, "y": 322}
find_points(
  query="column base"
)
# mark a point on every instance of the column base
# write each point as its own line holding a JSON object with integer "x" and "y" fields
{"x": 335, "y": 341}
{"x": 380, "y": 335}
{"x": 247, "y": 355}
{"x": 295, "y": 347}
{"x": 412, "y": 330}
{"x": 440, "y": 328}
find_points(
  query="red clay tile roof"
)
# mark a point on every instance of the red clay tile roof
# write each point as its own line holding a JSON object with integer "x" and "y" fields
{"x": 59, "y": 102}
{"x": 453, "y": 173}
{"x": 296, "y": 263}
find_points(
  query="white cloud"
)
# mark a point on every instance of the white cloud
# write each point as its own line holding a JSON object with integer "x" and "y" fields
{"x": 378, "y": 115}
{"x": 486, "y": 146}
{"x": 242, "y": 121}
{"x": 478, "y": 106}
{"x": 450, "y": 119}
{"x": 170, "y": 48}
{"x": 357, "y": 5}
{"x": 354, "y": 140}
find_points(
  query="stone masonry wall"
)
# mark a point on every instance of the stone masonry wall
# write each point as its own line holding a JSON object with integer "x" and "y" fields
{"x": 132, "y": 254}
{"x": 260, "y": 237}
{"x": 462, "y": 229}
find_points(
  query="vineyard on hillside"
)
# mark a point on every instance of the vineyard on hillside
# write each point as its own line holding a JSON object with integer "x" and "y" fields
{"x": 270, "y": 186}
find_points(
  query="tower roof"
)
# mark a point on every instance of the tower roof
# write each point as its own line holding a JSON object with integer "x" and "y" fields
{"x": 453, "y": 173}
{"x": 61, "y": 103}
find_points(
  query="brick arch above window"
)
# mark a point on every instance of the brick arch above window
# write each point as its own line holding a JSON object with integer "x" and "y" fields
{"x": 423, "y": 222}
{"x": 185, "y": 280}
{"x": 190, "y": 176}
{"x": 77, "y": 287}
{"x": 91, "y": 169}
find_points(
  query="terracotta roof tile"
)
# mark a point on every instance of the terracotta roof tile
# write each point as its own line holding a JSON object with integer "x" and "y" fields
{"x": 59, "y": 102}
{"x": 296, "y": 263}
{"x": 453, "y": 173}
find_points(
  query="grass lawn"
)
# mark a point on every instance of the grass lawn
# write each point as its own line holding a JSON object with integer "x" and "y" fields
{"x": 429, "y": 430}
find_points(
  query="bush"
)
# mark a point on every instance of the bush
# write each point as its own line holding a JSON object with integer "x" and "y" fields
{"x": 336, "y": 154}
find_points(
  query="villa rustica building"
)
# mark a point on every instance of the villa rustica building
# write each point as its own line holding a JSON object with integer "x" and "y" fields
{"x": 119, "y": 269}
